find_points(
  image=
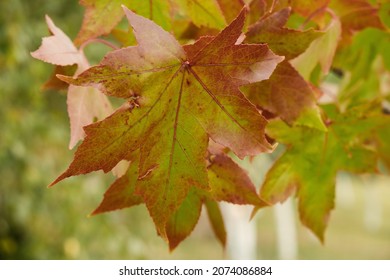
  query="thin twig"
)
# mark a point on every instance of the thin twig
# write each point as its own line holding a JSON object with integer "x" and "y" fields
{"x": 98, "y": 40}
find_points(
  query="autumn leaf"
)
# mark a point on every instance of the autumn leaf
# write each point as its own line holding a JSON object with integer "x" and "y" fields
{"x": 356, "y": 15}
{"x": 312, "y": 159}
{"x": 321, "y": 51}
{"x": 57, "y": 49}
{"x": 84, "y": 104}
{"x": 286, "y": 94}
{"x": 361, "y": 69}
{"x": 283, "y": 41}
{"x": 229, "y": 183}
{"x": 257, "y": 9}
{"x": 308, "y": 7}
{"x": 177, "y": 98}
{"x": 54, "y": 83}
{"x": 184, "y": 219}
{"x": 203, "y": 12}
{"x": 101, "y": 16}
{"x": 230, "y": 8}
{"x": 121, "y": 193}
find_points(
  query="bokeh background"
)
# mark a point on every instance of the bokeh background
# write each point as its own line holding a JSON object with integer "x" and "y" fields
{"x": 41, "y": 223}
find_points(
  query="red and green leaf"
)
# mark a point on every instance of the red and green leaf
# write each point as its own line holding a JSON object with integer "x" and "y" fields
{"x": 177, "y": 99}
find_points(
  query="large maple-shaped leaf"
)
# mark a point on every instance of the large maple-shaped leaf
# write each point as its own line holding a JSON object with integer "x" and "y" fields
{"x": 312, "y": 159}
{"x": 84, "y": 104}
{"x": 177, "y": 98}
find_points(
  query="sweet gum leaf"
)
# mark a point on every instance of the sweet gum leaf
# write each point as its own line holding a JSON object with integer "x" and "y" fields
{"x": 203, "y": 12}
{"x": 283, "y": 41}
{"x": 84, "y": 104}
{"x": 177, "y": 98}
{"x": 287, "y": 95}
{"x": 309, "y": 165}
{"x": 321, "y": 50}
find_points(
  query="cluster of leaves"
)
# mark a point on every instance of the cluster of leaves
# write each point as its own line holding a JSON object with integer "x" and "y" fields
{"x": 205, "y": 78}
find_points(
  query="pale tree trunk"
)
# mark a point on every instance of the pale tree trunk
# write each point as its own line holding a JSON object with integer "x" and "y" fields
{"x": 286, "y": 230}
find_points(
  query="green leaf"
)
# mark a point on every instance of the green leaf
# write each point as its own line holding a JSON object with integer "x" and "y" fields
{"x": 216, "y": 220}
{"x": 203, "y": 12}
{"x": 309, "y": 7}
{"x": 101, "y": 16}
{"x": 321, "y": 50}
{"x": 184, "y": 220}
{"x": 384, "y": 13}
{"x": 312, "y": 159}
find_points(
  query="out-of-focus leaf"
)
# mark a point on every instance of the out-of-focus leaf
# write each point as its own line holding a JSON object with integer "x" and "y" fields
{"x": 84, "y": 104}
{"x": 216, "y": 220}
{"x": 230, "y": 183}
{"x": 281, "y": 40}
{"x": 313, "y": 158}
{"x": 321, "y": 50}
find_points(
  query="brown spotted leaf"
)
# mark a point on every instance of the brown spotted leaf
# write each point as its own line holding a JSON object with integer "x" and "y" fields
{"x": 177, "y": 98}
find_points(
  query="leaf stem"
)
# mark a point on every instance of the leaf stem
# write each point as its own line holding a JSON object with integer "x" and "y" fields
{"x": 98, "y": 40}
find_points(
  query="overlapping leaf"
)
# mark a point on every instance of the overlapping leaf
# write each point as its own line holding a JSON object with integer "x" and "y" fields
{"x": 286, "y": 94}
{"x": 281, "y": 40}
{"x": 321, "y": 51}
{"x": 177, "y": 98}
{"x": 84, "y": 104}
{"x": 101, "y": 16}
{"x": 313, "y": 158}
{"x": 356, "y": 15}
